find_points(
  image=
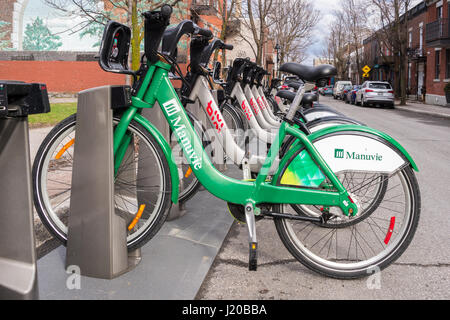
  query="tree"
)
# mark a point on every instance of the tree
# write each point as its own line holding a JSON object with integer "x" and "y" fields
{"x": 292, "y": 24}
{"x": 355, "y": 13}
{"x": 39, "y": 38}
{"x": 338, "y": 45}
{"x": 347, "y": 31}
{"x": 96, "y": 13}
{"x": 256, "y": 13}
{"x": 226, "y": 12}
{"x": 392, "y": 23}
{"x": 3, "y": 34}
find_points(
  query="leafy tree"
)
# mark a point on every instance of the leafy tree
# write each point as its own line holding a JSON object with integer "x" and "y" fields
{"x": 39, "y": 38}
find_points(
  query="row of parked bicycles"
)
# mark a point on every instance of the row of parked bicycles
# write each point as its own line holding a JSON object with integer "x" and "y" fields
{"x": 343, "y": 196}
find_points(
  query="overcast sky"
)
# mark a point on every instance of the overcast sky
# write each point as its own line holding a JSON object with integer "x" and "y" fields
{"x": 326, "y": 8}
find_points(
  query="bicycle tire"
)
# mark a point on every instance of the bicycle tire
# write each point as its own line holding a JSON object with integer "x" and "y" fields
{"x": 346, "y": 268}
{"x": 234, "y": 122}
{"x": 48, "y": 218}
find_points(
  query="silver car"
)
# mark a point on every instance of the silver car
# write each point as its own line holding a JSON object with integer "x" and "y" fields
{"x": 375, "y": 93}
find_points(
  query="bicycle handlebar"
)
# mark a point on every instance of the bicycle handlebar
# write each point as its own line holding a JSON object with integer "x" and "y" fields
{"x": 202, "y": 32}
{"x": 155, "y": 24}
{"x": 208, "y": 51}
{"x": 173, "y": 35}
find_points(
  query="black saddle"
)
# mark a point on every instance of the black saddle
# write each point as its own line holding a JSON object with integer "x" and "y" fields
{"x": 308, "y": 73}
{"x": 294, "y": 84}
{"x": 308, "y": 98}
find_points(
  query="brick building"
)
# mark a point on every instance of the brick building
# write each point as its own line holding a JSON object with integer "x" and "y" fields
{"x": 380, "y": 59}
{"x": 437, "y": 39}
{"x": 417, "y": 52}
{"x": 428, "y": 53}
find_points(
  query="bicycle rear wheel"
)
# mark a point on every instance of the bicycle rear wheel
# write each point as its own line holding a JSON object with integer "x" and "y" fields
{"x": 234, "y": 122}
{"x": 142, "y": 183}
{"x": 346, "y": 248}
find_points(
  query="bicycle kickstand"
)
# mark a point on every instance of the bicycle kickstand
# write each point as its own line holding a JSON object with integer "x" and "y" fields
{"x": 253, "y": 244}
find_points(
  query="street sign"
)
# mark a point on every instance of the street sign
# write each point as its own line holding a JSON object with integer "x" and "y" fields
{"x": 366, "y": 69}
{"x": 365, "y": 75}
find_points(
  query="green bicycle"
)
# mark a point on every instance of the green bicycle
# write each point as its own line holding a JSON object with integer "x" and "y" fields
{"x": 334, "y": 170}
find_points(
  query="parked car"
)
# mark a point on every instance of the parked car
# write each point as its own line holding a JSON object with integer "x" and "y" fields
{"x": 351, "y": 94}
{"x": 375, "y": 93}
{"x": 347, "y": 88}
{"x": 326, "y": 91}
{"x": 338, "y": 86}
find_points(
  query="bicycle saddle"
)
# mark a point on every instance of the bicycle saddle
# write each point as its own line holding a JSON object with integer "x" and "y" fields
{"x": 308, "y": 73}
{"x": 294, "y": 84}
{"x": 308, "y": 98}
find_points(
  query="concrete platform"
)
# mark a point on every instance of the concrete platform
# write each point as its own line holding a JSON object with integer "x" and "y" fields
{"x": 174, "y": 263}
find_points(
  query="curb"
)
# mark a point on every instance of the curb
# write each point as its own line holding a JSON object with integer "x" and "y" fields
{"x": 431, "y": 113}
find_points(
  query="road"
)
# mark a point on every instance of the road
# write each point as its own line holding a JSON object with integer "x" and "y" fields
{"x": 422, "y": 272}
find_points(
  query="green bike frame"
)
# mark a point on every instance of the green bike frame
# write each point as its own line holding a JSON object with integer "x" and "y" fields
{"x": 156, "y": 87}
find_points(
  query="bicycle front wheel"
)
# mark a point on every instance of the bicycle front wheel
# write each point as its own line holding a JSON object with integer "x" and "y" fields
{"x": 142, "y": 183}
{"x": 362, "y": 246}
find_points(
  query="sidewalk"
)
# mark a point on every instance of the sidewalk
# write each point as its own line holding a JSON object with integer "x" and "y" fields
{"x": 419, "y": 107}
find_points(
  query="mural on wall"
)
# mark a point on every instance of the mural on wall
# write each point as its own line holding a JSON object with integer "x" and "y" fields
{"x": 38, "y": 37}
{"x": 4, "y": 41}
{"x": 59, "y": 25}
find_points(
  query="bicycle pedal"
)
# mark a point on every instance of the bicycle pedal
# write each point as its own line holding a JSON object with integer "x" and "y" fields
{"x": 253, "y": 256}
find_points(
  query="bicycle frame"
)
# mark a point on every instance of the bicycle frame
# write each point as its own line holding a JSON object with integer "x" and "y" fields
{"x": 257, "y": 111}
{"x": 262, "y": 108}
{"x": 156, "y": 87}
{"x": 238, "y": 94}
{"x": 221, "y": 131}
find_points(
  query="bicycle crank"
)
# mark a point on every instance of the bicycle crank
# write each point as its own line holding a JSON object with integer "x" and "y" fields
{"x": 237, "y": 211}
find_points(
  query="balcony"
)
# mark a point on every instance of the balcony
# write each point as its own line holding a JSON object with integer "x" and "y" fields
{"x": 383, "y": 60}
{"x": 417, "y": 53}
{"x": 437, "y": 33}
{"x": 204, "y": 8}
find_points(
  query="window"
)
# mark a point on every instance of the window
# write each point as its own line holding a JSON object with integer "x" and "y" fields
{"x": 437, "y": 64}
{"x": 409, "y": 75}
{"x": 380, "y": 85}
{"x": 447, "y": 64}
{"x": 439, "y": 17}
{"x": 410, "y": 39}
{"x": 421, "y": 37}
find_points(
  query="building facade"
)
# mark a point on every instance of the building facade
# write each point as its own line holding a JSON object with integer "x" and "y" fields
{"x": 428, "y": 39}
{"x": 437, "y": 39}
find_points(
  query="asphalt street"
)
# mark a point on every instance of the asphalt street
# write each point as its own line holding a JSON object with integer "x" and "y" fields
{"x": 422, "y": 272}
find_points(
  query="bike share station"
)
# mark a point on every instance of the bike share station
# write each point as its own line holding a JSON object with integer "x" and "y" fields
{"x": 96, "y": 263}
{"x": 18, "y": 272}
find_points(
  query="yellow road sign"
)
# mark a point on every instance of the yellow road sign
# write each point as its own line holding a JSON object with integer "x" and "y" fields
{"x": 365, "y": 75}
{"x": 366, "y": 69}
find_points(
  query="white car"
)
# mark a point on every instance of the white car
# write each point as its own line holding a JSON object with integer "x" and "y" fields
{"x": 375, "y": 93}
{"x": 338, "y": 86}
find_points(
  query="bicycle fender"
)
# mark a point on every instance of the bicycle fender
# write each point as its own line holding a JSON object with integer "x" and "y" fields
{"x": 353, "y": 147}
{"x": 175, "y": 179}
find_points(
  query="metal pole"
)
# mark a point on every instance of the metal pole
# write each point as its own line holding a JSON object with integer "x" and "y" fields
{"x": 18, "y": 272}
{"x": 97, "y": 233}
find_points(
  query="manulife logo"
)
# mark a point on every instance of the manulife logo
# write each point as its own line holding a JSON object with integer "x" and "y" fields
{"x": 341, "y": 154}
